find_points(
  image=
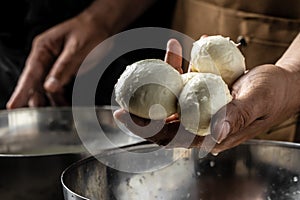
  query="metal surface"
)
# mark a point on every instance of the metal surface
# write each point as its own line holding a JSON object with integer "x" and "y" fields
{"x": 37, "y": 144}
{"x": 256, "y": 170}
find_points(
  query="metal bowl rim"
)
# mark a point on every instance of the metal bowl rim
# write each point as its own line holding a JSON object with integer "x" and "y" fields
{"x": 137, "y": 147}
{"x": 63, "y": 108}
{"x": 45, "y": 109}
{"x": 143, "y": 146}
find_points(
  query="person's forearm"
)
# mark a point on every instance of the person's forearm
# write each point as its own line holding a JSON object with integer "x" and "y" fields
{"x": 290, "y": 60}
{"x": 114, "y": 15}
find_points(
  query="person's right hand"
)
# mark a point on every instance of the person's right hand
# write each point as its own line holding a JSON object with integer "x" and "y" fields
{"x": 57, "y": 53}
{"x": 54, "y": 60}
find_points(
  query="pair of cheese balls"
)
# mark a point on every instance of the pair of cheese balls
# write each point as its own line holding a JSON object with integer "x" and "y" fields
{"x": 153, "y": 89}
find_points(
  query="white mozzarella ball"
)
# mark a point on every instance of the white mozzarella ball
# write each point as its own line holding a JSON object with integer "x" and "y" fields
{"x": 218, "y": 55}
{"x": 149, "y": 89}
{"x": 201, "y": 97}
{"x": 186, "y": 77}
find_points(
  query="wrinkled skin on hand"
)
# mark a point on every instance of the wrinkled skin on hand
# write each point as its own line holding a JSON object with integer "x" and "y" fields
{"x": 261, "y": 99}
{"x": 54, "y": 60}
{"x": 57, "y": 54}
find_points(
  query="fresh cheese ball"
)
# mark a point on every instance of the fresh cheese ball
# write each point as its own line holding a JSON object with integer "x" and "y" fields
{"x": 186, "y": 77}
{"x": 218, "y": 55}
{"x": 201, "y": 97}
{"x": 149, "y": 89}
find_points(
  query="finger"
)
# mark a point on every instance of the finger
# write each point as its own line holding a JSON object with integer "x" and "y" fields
{"x": 170, "y": 134}
{"x": 203, "y": 36}
{"x": 64, "y": 68}
{"x": 257, "y": 127}
{"x": 36, "y": 68}
{"x": 174, "y": 55}
{"x": 58, "y": 99}
{"x": 172, "y": 118}
{"x": 144, "y": 128}
{"x": 235, "y": 116}
{"x": 37, "y": 99}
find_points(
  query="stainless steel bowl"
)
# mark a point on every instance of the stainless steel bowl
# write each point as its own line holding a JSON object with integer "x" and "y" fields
{"x": 37, "y": 144}
{"x": 256, "y": 170}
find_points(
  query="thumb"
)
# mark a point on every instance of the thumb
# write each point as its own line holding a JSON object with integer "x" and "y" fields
{"x": 63, "y": 70}
{"x": 174, "y": 55}
{"x": 236, "y": 116}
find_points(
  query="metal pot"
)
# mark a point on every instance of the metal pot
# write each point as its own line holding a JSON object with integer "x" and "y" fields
{"x": 37, "y": 144}
{"x": 256, "y": 170}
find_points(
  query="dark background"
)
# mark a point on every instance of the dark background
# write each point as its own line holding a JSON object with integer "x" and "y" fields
{"x": 159, "y": 15}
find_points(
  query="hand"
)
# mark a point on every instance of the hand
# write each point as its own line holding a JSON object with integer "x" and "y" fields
{"x": 54, "y": 60}
{"x": 265, "y": 96}
{"x": 260, "y": 101}
{"x": 57, "y": 54}
{"x": 171, "y": 126}
{"x": 262, "y": 98}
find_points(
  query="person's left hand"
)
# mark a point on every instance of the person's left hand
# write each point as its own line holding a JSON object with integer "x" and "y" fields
{"x": 54, "y": 60}
{"x": 262, "y": 98}
{"x": 171, "y": 126}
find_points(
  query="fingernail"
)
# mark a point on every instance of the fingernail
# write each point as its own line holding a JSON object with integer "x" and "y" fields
{"x": 174, "y": 46}
{"x": 120, "y": 115}
{"x": 52, "y": 84}
{"x": 203, "y": 36}
{"x": 222, "y": 132}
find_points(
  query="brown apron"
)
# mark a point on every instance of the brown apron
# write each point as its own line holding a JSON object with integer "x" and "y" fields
{"x": 267, "y": 26}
